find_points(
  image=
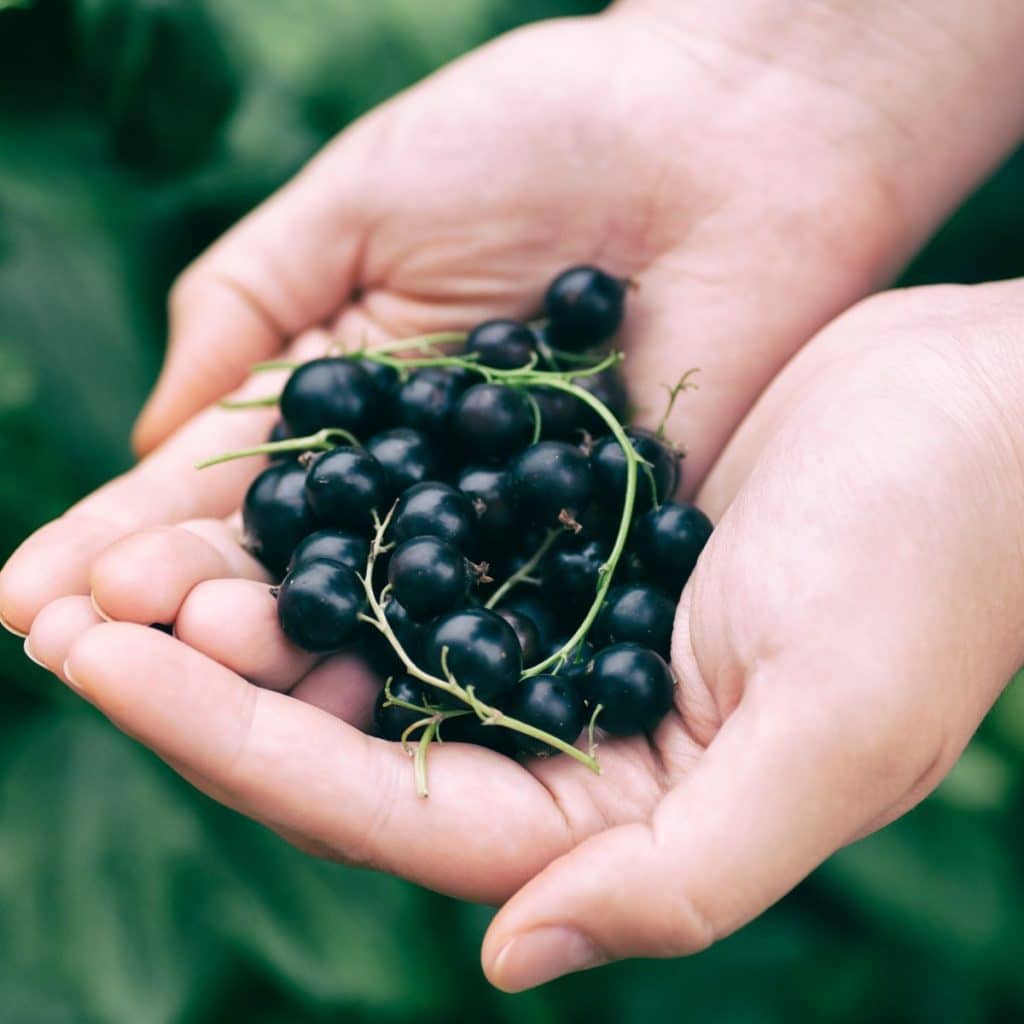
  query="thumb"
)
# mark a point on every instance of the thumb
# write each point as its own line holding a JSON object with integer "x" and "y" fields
{"x": 771, "y": 797}
{"x": 287, "y": 266}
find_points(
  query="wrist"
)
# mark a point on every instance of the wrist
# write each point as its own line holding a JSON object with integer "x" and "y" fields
{"x": 922, "y": 98}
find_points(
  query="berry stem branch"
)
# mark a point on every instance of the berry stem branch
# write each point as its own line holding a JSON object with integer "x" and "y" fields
{"x": 487, "y": 714}
{"x": 322, "y": 441}
{"x": 523, "y": 572}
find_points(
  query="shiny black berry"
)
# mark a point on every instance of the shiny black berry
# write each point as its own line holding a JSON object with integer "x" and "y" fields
{"x": 484, "y": 486}
{"x": 609, "y": 464}
{"x": 329, "y": 393}
{"x": 577, "y": 661}
{"x": 633, "y": 685}
{"x": 483, "y": 651}
{"x": 280, "y": 432}
{"x": 503, "y": 344}
{"x": 584, "y": 307}
{"x": 551, "y": 703}
{"x": 318, "y": 605}
{"x": 348, "y": 549}
{"x": 492, "y": 421}
{"x": 429, "y": 577}
{"x": 392, "y": 721}
{"x": 406, "y": 455}
{"x": 407, "y": 630}
{"x": 275, "y": 514}
{"x": 344, "y": 486}
{"x": 549, "y": 482}
{"x": 608, "y": 387}
{"x": 434, "y": 509}
{"x": 571, "y": 571}
{"x": 426, "y": 399}
{"x": 636, "y": 613}
{"x": 384, "y": 377}
{"x": 526, "y": 632}
{"x": 668, "y": 541}
{"x": 561, "y": 413}
{"x": 526, "y": 601}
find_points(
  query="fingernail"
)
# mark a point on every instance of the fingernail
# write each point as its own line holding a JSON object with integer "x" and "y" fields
{"x": 97, "y": 609}
{"x": 10, "y": 629}
{"x": 31, "y": 657}
{"x": 71, "y": 681}
{"x": 542, "y": 955}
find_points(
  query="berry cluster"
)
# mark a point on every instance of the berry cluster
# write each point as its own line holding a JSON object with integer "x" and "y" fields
{"x": 472, "y": 514}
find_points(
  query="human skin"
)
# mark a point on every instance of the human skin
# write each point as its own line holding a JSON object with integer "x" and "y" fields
{"x": 755, "y": 178}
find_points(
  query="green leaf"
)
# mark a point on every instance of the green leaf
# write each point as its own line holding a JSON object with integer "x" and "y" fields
{"x": 100, "y": 860}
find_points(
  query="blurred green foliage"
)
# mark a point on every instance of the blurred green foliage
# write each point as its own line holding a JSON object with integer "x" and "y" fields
{"x": 131, "y": 133}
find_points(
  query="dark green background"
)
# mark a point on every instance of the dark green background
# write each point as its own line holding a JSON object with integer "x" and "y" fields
{"x": 131, "y": 133}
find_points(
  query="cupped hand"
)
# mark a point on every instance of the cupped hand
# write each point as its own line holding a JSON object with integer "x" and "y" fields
{"x": 852, "y": 619}
{"x": 749, "y": 202}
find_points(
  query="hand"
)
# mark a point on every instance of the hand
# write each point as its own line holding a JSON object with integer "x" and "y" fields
{"x": 852, "y": 620}
{"x": 754, "y": 175}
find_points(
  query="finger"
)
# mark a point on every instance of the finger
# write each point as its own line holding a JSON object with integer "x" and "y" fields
{"x": 234, "y": 622}
{"x": 146, "y": 576}
{"x": 343, "y": 686}
{"x": 56, "y": 628}
{"x": 765, "y": 805}
{"x": 309, "y": 773}
{"x": 164, "y": 488}
{"x": 287, "y": 266}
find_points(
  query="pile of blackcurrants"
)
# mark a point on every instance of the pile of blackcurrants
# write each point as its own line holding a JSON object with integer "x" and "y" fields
{"x": 471, "y": 514}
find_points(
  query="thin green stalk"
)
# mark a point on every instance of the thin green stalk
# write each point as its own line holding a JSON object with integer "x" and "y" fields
{"x": 323, "y": 440}
{"x": 249, "y": 403}
{"x": 608, "y": 569}
{"x": 525, "y": 569}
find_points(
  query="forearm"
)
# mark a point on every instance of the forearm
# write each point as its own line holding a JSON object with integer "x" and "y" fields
{"x": 925, "y": 95}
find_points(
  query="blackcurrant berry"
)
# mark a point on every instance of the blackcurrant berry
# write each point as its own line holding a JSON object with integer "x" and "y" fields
{"x": 392, "y": 721}
{"x": 526, "y": 633}
{"x": 280, "y": 432}
{"x": 529, "y": 603}
{"x": 483, "y": 651}
{"x": 434, "y": 509}
{"x": 584, "y": 307}
{"x": 384, "y": 377}
{"x": 561, "y": 413}
{"x": 492, "y": 421}
{"x": 275, "y": 514}
{"x": 503, "y": 344}
{"x": 425, "y": 400}
{"x": 549, "y": 481}
{"x": 609, "y": 464}
{"x": 429, "y": 577}
{"x": 551, "y": 703}
{"x": 668, "y": 541}
{"x": 610, "y": 389}
{"x": 633, "y": 685}
{"x": 344, "y": 486}
{"x": 408, "y": 632}
{"x": 406, "y": 456}
{"x": 484, "y": 486}
{"x": 571, "y": 571}
{"x": 329, "y": 393}
{"x": 333, "y": 546}
{"x": 636, "y": 613}
{"x": 469, "y": 729}
{"x": 318, "y": 605}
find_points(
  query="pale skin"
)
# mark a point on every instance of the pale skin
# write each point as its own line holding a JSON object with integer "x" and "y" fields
{"x": 833, "y": 658}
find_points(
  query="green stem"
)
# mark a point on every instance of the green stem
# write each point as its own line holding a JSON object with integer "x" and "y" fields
{"x": 525, "y": 569}
{"x": 250, "y": 403}
{"x": 488, "y": 715}
{"x": 422, "y": 789}
{"x": 274, "y": 364}
{"x": 608, "y": 569}
{"x": 323, "y": 440}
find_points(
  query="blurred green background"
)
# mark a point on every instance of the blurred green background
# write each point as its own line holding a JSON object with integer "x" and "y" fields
{"x": 131, "y": 133}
